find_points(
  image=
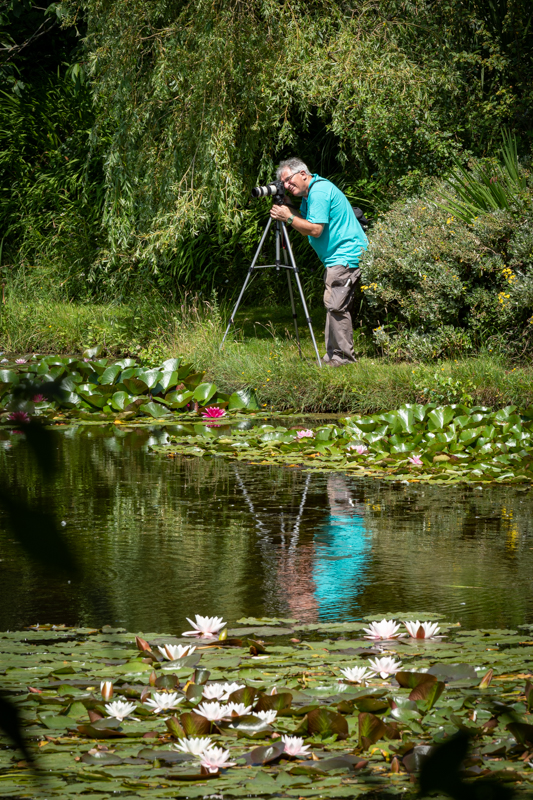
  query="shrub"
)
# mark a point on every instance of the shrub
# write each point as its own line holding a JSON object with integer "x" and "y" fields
{"x": 440, "y": 286}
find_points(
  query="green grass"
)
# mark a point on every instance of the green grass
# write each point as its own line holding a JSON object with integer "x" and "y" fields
{"x": 260, "y": 352}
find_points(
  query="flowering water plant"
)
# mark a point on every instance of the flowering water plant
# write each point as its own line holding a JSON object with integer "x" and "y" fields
{"x": 213, "y": 412}
{"x": 173, "y": 652}
{"x": 294, "y": 746}
{"x": 120, "y": 709}
{"x": 385, "y": 666}
{"x": 356, "y": 674}
{"x": 214, "y": 759}
{"x": 305, "y": 434}
{"x": 196, "y": 745}
{"x": 386, "y": 629}
{"x": 163, "y": 701}
{"x": 422, "y": 630}
{"x": 207, "y": 627}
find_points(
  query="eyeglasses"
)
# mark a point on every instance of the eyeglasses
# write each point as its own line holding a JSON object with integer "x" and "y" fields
{"x": 286, "y": 180}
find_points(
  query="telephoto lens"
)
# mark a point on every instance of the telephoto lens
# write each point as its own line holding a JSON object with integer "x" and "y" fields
{"x": 265, "y": 191}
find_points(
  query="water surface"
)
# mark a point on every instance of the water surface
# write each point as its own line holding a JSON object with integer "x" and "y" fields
{"x": 161, "y": 539}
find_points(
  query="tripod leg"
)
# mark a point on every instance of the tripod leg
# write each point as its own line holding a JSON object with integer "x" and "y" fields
{"x": 291, "y": 295}
{"x": 299, "y": 285}
{"x": 247, "y": 280}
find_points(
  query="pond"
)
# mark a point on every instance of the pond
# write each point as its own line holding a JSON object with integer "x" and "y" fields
{"x": 161, "y": 539}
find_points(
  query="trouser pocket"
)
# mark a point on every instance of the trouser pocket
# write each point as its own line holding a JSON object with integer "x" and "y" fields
{"x": 340, "y": 287}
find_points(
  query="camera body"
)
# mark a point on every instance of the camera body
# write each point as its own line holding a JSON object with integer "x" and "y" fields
{"x": 275, "y": 190}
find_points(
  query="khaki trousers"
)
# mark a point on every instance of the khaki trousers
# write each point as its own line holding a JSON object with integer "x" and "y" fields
{"x": 340, "y": 282}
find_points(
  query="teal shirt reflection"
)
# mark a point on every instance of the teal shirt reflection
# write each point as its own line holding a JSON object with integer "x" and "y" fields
{"x": 342, "y": 550}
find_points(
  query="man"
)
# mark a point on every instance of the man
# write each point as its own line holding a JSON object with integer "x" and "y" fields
{"x": 327, "y": 219}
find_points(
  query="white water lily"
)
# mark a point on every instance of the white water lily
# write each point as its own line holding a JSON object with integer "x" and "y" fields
{"x": 422, "y": 630}
{"x": 266, "y": 716}
{"x": 175, "y": 651}
{"x": 214, "y": 691}
{"x": 106, "y": 690}
{"x": 229, "y": 688}
{"x": 356, "y": 674}
{"x": 196, "y": 745}
{"x": 207, "y": 627}
{"x": 215, "y": 758}
{"x": 294, "y": 746}
{"x": 164, "y": 701}
{"x": 212, "y": 711}
{"x": 237, "y": 709}
{"x": 385, "y": 666}
{"x": 119, "y": 709}
{"x": 386, "y": 629}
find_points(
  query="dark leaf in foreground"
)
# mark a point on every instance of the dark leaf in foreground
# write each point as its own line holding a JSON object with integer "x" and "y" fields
{"x": 522, "y": 732}
{"x": 441, "y": 772}
{"x": 40, "y": 441}
{"x": 37, "y": 532}
{"x": 10, "y": 724}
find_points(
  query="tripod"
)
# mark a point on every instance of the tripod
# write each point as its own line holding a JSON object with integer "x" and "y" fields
{"x": 282, "y": 240}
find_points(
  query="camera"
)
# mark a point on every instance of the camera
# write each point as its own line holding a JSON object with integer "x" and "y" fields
{"x": 276, "y": 190}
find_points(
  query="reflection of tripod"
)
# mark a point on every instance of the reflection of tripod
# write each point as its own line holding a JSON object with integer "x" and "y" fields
{"x": 281, "y": 233}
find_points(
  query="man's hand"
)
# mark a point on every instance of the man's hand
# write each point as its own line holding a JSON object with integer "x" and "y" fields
{"x": 281, "y": 212}
{"x": 299, "y": 224}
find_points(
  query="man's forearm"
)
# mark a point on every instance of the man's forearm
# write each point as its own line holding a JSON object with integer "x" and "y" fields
{"x": 306, "y": 228}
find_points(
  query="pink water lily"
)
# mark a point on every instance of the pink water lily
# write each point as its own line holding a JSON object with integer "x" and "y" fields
{"x": 215, "y": 758}
{"x": 386, "y": 629}
{"x": 385, "y": 666}
{"x": 38, "y": 398}
{"x": 213, "y": 412}
{"x": 208, "y": 627}
{"x": 422, "y": 630}
{"x": 360, "y": 449}
{"x": 19, "y": 416}
{"x": 415, "y": 460}
{"x": 20, "y": 360}
{"x": 294, "y": 746}
{"x": 305, "y": 434}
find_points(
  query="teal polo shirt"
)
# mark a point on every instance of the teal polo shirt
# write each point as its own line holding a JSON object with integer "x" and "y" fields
{"x": 343, "y": 240}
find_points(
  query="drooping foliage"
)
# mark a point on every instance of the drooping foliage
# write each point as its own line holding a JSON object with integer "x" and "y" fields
{"x": 194, "y": 103}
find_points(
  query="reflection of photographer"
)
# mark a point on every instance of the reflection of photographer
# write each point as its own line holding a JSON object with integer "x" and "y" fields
{"x": 328, "y": 220}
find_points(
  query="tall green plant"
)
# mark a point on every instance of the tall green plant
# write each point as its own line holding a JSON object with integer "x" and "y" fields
{"x": 487, "y": 187}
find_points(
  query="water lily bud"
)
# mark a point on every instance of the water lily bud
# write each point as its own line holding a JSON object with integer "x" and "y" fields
{"x": 106, "y": 689}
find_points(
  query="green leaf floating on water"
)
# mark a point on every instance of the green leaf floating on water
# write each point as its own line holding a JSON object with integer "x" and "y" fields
{"x": 350, "y": 753}
{"x": 415, "y": 443}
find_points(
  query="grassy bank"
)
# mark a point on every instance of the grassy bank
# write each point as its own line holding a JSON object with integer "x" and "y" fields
{"x": 261, "y": 352}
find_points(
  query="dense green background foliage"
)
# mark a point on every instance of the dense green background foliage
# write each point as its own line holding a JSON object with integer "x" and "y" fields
{"x": 134, "y": 131}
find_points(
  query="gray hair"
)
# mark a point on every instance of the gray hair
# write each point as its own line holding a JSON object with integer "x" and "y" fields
{"x": 292, "y": 164}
